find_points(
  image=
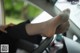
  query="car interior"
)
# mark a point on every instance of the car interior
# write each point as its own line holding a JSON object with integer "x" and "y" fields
{"x": 56, "y": 44}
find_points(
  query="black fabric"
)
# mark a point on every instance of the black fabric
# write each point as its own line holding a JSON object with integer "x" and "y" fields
{"x": 16, "y": 33}
{"x": 4, "y": 39}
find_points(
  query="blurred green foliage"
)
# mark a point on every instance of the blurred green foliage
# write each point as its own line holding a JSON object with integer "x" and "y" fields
{"x": 17, "y": 9}
{"x": 33, "y": 11}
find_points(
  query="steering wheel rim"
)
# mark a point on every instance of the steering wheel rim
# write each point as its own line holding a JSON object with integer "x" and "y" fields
{"x": 43, "y": 45}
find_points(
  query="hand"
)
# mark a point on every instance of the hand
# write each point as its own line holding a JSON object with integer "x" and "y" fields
{"x": 2, "y": 28}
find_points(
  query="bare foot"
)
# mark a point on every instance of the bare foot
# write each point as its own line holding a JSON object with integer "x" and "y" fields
{"x": 63, "y": 28}
{"x": 51, "y": 25}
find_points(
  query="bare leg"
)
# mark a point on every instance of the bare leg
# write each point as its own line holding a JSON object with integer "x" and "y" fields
{"x": 48, "y": 28}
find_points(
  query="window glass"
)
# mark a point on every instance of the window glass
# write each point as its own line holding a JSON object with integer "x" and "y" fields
{"x": 17, "y": 11}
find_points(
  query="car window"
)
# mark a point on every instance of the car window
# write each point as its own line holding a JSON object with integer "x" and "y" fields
{"x": 17, "y": 11}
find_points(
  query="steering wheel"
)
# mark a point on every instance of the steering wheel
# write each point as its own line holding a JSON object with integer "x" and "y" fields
{"x": 33, "y": 48}
{"x": 43, "y": 45}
